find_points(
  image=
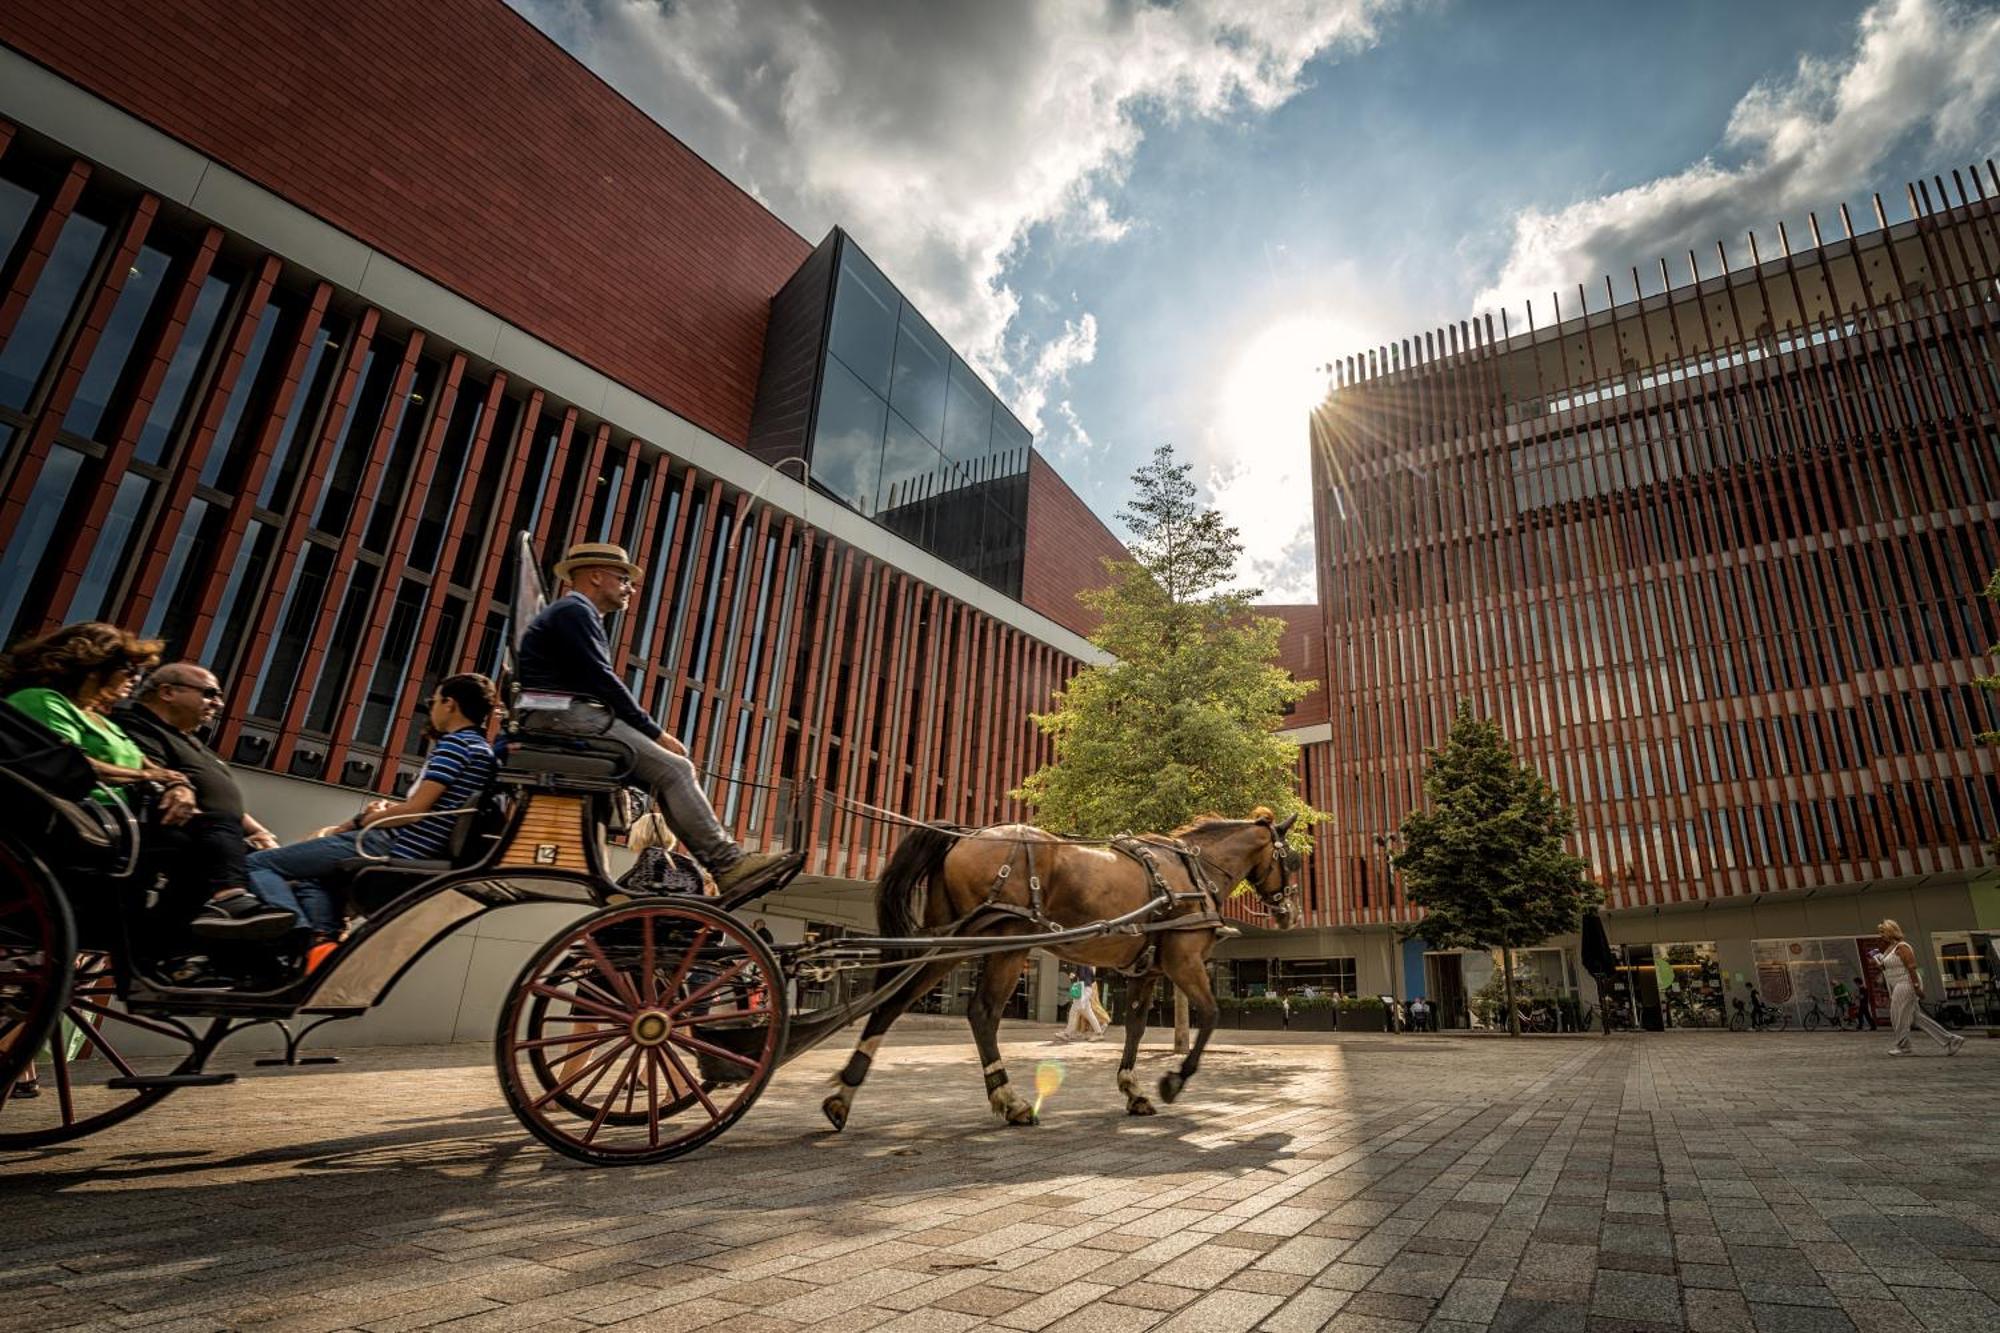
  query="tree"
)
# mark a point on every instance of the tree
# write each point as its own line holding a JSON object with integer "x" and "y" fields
{"x": 1992, "y": 593}
{"x": 1183, "y": 720}
{"x": 1485, "y": 859}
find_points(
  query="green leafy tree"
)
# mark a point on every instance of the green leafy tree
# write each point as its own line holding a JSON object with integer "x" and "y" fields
{"x": 1183, "y": 720}
{"x": 1485, "y": 858}
{"x": 1992, "y": 593}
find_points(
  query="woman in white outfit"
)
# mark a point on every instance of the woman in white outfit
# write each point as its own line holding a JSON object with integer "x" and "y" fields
{"x": 1906, "y": 992}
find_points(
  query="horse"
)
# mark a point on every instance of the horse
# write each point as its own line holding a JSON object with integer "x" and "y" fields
{"x": 1013, "y": 879}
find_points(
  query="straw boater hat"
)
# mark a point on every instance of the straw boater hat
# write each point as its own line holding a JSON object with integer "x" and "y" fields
{"x": 595, "y": 555}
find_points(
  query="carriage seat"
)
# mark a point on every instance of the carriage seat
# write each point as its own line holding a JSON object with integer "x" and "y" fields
{"x": 373, "y": 884}
{"x": 541, "y": 759}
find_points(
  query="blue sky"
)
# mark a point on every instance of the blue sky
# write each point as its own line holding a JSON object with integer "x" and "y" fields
{"x": 1149, "y": 223}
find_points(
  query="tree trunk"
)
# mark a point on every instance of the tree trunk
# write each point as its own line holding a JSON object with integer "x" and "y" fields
{"x": 1180, "y": 1021}
{"x": 1513, "y": 1014}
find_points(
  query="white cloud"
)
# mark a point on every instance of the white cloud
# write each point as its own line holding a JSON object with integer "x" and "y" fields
{"x": 943, "y": 135}
{"x": 1922, "y": 72}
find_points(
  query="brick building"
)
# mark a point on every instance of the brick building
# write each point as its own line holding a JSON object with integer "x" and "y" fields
{"x": 1711, "y": 559}
{"x": 304, "y": 309}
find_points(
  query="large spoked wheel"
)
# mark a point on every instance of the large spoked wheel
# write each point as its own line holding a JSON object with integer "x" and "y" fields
{"x": 37, "y": 949}
{"x": 642, "y": 1032}
{"x": 101, "y": 1065}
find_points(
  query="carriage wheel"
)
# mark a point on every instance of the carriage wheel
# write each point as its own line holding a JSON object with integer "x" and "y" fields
{"x": 95, "y": 1046}
{"x": 642, "y": 1032}
{"x": 37, "y": 944}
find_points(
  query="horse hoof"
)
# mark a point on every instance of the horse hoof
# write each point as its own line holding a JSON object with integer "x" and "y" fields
{"x": 836, "y": 1113}
{"x": 1170, "y": 1086}
{"x": 1139, "y": 1106}
{"x": 1023, "y": 1115}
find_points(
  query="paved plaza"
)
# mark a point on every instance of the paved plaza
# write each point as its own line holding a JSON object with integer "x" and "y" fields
{"x": 1369, "y": 1184}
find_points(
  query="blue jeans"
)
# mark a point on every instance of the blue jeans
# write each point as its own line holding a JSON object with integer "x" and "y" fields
{"x": 289, "y": 876}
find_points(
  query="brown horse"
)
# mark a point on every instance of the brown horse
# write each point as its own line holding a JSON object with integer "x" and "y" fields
{"x": 1015, "y": 880}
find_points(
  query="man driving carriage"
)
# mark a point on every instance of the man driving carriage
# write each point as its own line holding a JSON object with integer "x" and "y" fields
{"x": 567, "y": 652}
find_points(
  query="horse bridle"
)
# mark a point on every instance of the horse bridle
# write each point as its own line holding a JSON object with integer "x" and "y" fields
{"x": 1289, "y": 865}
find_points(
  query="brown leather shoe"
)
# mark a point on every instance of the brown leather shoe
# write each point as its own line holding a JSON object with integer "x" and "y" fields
{"x": 748, "y": 868}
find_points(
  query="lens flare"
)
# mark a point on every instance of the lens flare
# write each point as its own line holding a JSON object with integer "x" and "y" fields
{"x": 1048, "y": 1077}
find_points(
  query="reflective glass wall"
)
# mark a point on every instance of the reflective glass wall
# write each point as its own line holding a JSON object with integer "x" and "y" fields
{"x": 906, "y": 433}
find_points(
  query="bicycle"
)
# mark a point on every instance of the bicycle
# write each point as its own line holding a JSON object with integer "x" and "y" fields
{"x": 1814, "y": 1016}
{"x": 1760, "y": 1017}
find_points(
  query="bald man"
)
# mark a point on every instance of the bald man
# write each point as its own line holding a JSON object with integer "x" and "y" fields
{"x": 203, "y": 855}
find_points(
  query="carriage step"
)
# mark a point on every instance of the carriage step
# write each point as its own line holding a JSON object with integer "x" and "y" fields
{"x": 170, "y": 1081}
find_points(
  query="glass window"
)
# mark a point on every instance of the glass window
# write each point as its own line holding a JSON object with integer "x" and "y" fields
{"x": 111, "y": 361}
{"x": 41, "y": 324}
{"x": 847, "y": 444}
{"x": 918, "y": 389}
{"x": 159, "y": 427}
{"x": 17, "y": 205}
{"x": 411, "y": 418}
{"x": 448, "y": 476}
{"x": 287, "y": 457}
{"x": 110, "y": 553}
{"x": 232, "y": 613}
{"x": 39, "y": 522}
{"x": 181, "y": 577}
{"x": 864, "y": 319}
{"x": 229, "y": 449}
{"x": 357, "y": 437}
{"x": 499, "y": 448}
{"x": 968, "y": 417}
{"x": 348, "y": 627}
{"x": 392, "y": 666}
{"x": 911, "y": 471}
{"x": 1011, "y": 442}
{"x": 279, "y": 677}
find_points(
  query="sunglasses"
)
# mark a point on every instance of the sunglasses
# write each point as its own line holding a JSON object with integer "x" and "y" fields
{"x": 205, "y": 691}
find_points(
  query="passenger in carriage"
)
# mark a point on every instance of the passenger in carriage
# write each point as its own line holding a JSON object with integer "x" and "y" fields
{"x": 69, "y": 680}
{"x": 566, "y": 651}
{"x": 459, "y": 767}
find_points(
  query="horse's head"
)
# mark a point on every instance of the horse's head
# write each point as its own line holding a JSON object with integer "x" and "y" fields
{"x": 1274, "y": 869}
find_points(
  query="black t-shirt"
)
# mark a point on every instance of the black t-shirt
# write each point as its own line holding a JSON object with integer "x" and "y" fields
{"x": 215, "y": 789}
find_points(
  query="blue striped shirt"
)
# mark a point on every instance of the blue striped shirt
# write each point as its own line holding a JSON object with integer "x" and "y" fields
{"x": 463, "y": 762}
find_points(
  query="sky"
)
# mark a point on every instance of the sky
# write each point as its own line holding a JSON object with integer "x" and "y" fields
{"x": 1152, "y": 223}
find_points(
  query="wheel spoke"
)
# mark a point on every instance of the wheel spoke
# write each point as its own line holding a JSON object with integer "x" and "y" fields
{"x": 597, "y": 1064}
{"x": 687, "y": 961}
{"x": 624, "y": 1078}
{"x": 109, "y": 1051}
{"x": 693, "y": 1083}
{"x": 59, "y": 1057}
{"x": 159, "y": 1029}
{"x": 611, "y": 974}
{"x": 713, "y": 986}
{"x": 648, "y": 983}
{"x": 592, "y": 1037}
{"x": 709, "y": 1048}
{"x": 652, "y": 1100}
{"x": 588, "y": 1006}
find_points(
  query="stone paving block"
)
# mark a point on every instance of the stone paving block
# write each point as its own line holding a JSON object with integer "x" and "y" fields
{"x": 1643, "y": 1296}
{"x": 1799, "y": 1319}
{"x": 1045, "y": 1310}
{"x": 1222, "y": 1312}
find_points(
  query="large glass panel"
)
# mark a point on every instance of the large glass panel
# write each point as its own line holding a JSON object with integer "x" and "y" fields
{"x": 108, "y": 362}
{"x": 912, "y": 472}
{"x": 968, "y": 416}
{"x": 17, "y": 205}
{"x": 109, "y": 554}
{"x": 847, "y": 444}
{"x": 236, "y": 434}
{"x": 348, "y": 627}
{"x": 918, "y": 390}
{"x": 499, "y": 448}
{"x": 159, "y": 427}
{"x": 41, "y": 323}
{"x": 23, "y": 556}
{"x": 288, "y": 454}
{"x": 392, "y": 666}
{"x": 864, "y": 319}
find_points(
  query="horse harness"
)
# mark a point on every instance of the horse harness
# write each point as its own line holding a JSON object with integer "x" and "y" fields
{"x": 1167, "y": 900}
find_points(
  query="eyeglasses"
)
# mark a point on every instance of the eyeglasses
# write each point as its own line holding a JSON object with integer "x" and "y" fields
{"x": 205, "y": 691}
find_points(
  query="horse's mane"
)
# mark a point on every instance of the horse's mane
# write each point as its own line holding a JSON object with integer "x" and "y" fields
{"x": 1210, "y": 817}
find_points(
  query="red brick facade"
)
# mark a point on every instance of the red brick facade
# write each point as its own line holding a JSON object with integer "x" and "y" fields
{"x": 593, "y": 228}
{"x": 1067, "y": 547}
{"x": 1302, "y": 651}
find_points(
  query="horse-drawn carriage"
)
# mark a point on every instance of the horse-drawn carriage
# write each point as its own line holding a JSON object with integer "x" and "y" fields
{"x": 645, "y": 1027}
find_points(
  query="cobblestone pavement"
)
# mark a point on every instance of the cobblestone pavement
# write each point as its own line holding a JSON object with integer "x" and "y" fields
{"x": 1776, "y": 1183}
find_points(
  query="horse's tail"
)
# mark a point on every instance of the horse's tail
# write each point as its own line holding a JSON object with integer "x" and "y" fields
{"x": 904, "y": 888}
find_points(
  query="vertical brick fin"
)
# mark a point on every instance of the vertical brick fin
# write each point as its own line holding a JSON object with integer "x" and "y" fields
{"x": 504, "y": 506}
{"x": 41, "y": 246}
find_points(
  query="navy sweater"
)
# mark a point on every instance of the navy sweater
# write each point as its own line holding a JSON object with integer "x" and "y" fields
{"x": 566, "y": 649}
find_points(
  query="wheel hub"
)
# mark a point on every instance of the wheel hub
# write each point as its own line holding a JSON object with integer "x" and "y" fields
{"x": 651, "y": 1028}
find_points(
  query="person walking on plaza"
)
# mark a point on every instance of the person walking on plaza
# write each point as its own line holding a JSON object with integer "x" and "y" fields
{"x": 1864, "y": 1005}
{"x": 1084, "y": 1024}
{"x": 566, "y": 651}
{"x": 1906, "y": 993}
